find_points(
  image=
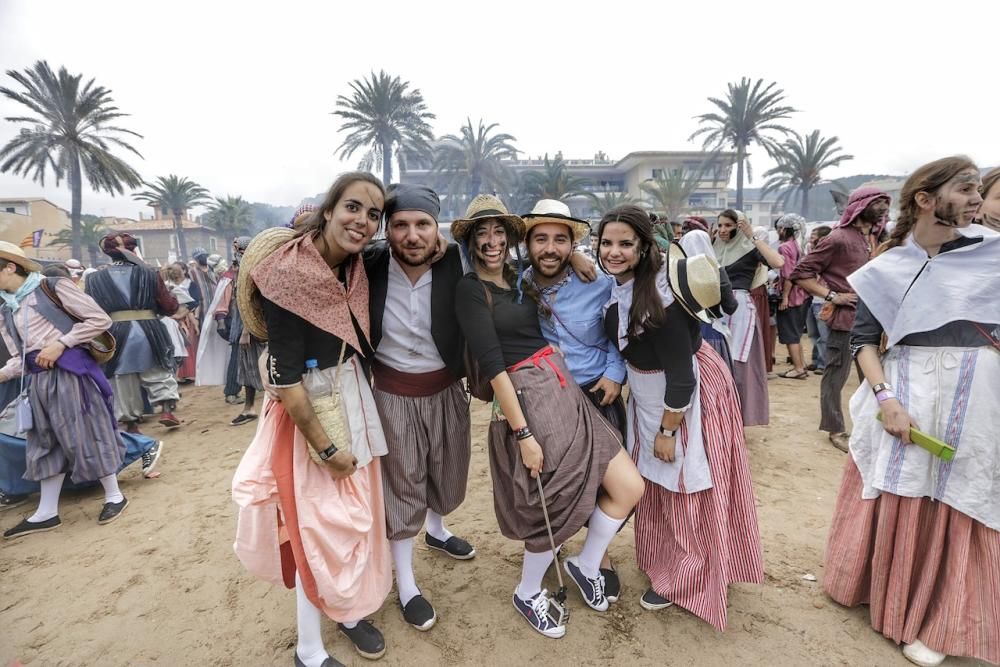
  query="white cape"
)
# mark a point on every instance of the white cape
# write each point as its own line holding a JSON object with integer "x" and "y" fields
{"x": 213, "y": 352}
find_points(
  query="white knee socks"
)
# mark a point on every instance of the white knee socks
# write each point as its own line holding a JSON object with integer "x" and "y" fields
{"x": 532, "y": 573}
{"x": 111, "y": 492}
{"x": 310, "y": 647}
{"x": 48, "y": 504}
{"x": 434, "y": 525}
{"x": 402, "y": 559}
{"x": 601, "y": 530}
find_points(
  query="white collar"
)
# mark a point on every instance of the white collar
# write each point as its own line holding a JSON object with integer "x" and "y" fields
{"x": 622, "y": 294}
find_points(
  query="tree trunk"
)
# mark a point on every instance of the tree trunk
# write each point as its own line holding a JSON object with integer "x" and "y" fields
{"x": 92, "y": 252}
{"x": 740, "y": 157}
{"x": 804, "y": 211}
{"x": 182, "y": 249}
{"x": 76, "y": 187}
{"x": 386, "y": 163}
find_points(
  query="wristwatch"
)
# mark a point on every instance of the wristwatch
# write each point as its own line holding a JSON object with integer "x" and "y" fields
{"x": 328, "y": 453}
{"x": 830, "y": 296}
{"x": 666, "y": 432}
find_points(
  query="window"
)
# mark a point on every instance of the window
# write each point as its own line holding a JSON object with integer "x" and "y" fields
{"x": 173, "y": 242}
{"x": 11, "y": 209}
{"x": 213, "y": 245}
{"x": 657, "y": 173}
{"x": 139, "y": 246}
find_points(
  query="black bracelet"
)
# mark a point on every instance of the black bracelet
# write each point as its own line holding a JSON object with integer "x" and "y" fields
{"x": 523, "y": 433}
{"x": 881, "y": 387}
{"x": 328, "y": 453}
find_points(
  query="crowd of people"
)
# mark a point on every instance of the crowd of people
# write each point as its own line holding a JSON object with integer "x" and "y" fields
{"x": 366, "y": 353}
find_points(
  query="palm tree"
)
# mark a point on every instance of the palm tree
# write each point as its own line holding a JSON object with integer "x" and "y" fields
{"x": 471, "y": 161}
{"x": 383, "y": 114}
{"x": 747, "y": 116}
{"x": 92, "y": 230}
{"x": 173, "y": 196}
{"x": 555, "y": 182}
{"x": 801, "y": 162}
{"x": 72, "y": 133}
{"x": 609, "y": 199}
{"x": 670, "y": 191}
{"x": 231, "y": 217}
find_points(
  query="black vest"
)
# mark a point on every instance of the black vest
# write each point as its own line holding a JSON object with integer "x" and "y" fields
{"x": 444, "y": 324}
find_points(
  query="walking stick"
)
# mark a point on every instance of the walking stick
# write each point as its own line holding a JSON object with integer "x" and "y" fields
{"x": 558, "y": 611}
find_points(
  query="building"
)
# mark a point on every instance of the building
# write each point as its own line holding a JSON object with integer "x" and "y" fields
{"x": 32, "y": 223}
{"x": 158, "y": 239}
{"x": 605, "y": 177}
{"x": 762, "y": 213}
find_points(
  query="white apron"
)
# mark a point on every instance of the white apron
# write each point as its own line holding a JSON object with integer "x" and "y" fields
{"x": 742, "y": 325}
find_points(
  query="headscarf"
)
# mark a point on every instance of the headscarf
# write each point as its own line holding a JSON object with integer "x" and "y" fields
{"x": 113, "y": 243}
{"x": 663, "y": 234}
{"x": 736, "y": 247}
{"x": 797, "y": 223}
{"x": 29, "y": 285}
{"x": 240, "y": 244}
{"x": 858, "y": 202}
{"x": 301, "y": 212}
{"x": 407, "y": 197}
{"x": 697, "y": 242}
{"x": 695, "y": 223}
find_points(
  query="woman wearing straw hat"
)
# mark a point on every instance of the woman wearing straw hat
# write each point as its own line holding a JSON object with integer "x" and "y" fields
{"x": 546, "y": 437}
{"x": 745, "y": 259}
{"x": 70, "y": 424}
{"x": 696, "y": 528}
{"x": 315, "y": 487}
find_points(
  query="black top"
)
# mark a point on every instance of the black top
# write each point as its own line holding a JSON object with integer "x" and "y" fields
{"x": 504, "y": 337}
{"x": 669, "y": 347}
{"x": 742, "y": 271}
{"x": 445, "y": 275}
{"x": 961, "y": 333}
{"x": 729, "y": 304}
{"x": 292, "y": 340}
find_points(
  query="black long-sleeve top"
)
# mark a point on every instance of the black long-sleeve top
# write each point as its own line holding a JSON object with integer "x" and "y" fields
{"x": 742, "y": 271}
{"x": 669, "y": 347}
{"x": 503, "y": 337}
{"x": 729, "y": 304}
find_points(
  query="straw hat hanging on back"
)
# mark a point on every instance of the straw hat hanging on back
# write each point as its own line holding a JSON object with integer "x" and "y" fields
{"x": 247, "y": 294}
{"x": 485, "y": 207}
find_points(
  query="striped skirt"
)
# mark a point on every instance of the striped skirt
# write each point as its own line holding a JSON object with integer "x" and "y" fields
{"x": 427, "y": 465}
{"x": 73, "y": 433}
{"x": 693, "y": 545}
{"x": 751, "y": 384}
{"x": 927, "y": 571}
{"x": 247, "y": 369}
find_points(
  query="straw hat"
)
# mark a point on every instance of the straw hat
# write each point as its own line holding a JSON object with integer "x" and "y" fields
{"x": 553, "y": 210}
{"x": 13, "y": 253}
{"x": 485, "y": 207}
{"x": 247, "y": 294}
{"x": 694, "y": 281}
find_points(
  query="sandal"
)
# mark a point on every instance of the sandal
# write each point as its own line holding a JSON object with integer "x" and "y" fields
{"x": 791, "y": 374}
{"x": 242, "y": 419}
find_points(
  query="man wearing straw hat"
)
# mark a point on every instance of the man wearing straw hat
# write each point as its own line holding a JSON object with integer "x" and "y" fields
{"x": 68, "y": 415}
{"x": 418, "y": 368}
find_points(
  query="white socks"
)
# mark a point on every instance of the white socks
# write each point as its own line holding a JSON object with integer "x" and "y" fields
{"x": 111, "y": 492}
{"x": 532, "y": 572}
{"x": 310, "y": 647}
{"x": 402, "y": 558}
{"x": 48, "y": 504}
{"x": 601, "y": 530}
{"x": 434, "y": 524}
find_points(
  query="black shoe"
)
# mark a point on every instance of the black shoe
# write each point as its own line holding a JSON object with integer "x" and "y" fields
{"x": 329, "y": 662}
{"x": 419, "y": 613}
{"x": 454, "y": 546}
{"x": 592, "y": 590}
{"x": 612, "y": 586}
{"x": 10, "y": 501}
{"x": 27, "y": 528}
{"x": 366, "y": 638}
{"x": 112, "y": 511}
{"x": 151, "y": 458}
{"x": 653, "y": 601}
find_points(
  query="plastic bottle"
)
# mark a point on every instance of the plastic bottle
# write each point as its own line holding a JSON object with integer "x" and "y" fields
{"x": 316, "y": 382}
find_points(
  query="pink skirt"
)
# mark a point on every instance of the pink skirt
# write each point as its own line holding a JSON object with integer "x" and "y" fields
{"x": 927, "y": 571}
{"x": 693, "y": 545}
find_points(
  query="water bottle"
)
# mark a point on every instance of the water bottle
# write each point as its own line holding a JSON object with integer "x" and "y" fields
{"x": 316, "y": 382}
{"x": 327, "y": 409}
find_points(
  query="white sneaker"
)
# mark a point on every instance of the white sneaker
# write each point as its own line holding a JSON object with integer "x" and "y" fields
{"x": 919, "y": 654}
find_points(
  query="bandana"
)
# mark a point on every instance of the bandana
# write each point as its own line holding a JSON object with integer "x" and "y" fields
{"x": 14, "y": 300}
{"x": 406, "y": 197}
{"x": 859, "y": 201}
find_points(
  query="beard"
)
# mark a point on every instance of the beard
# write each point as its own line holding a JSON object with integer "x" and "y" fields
{"x": 871, "y": 216}
{"x": 400, "y": 254}
{"x": 536, "y": 265}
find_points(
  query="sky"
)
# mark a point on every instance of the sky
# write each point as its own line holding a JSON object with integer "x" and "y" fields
{"x": 237, "y": 96}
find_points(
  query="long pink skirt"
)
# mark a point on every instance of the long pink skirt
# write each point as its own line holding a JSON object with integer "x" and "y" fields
{"x": 693, "y": 545}
{"x": 927, "y": 571}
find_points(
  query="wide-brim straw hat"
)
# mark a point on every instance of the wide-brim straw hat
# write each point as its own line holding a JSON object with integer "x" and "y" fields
{"x": 694, "y": 281}
{"x": 555, "y": 211}
{"x": 485, "y": 207}
{"x": 10, "y": 252}
{"x": 248, "y": 297}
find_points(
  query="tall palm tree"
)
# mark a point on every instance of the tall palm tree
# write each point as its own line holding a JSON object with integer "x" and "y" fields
{"x": 383, "y": 115}
{"x": 72, "y": 133}
{"x": 801, "y": 162}
{"x": 748, "y": 115}
{"x": 670, "y": 191}
{"x": 609, "y": 199}
{"x": 231, "y": 217}
{"x": 471, "y": 161}
{"x": 555, "y": 181}
{"x": 173, "y": 195}
{"x": 92, "y": 230}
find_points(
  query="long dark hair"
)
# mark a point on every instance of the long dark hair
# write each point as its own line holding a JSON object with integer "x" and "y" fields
{"x": 317, "y": 220}
{"x": 929, "y": 178}
{"x": 647, "y": 307}
{"x": 512, "y": 275}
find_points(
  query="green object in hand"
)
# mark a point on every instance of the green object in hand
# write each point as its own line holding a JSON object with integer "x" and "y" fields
{"x": 938, "y": 448}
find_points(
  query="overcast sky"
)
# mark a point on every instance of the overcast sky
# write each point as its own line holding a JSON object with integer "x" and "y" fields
{"x": 237, "y": 95}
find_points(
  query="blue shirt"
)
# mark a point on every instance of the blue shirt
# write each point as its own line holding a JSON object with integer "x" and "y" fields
{"x": 579, "y": 306}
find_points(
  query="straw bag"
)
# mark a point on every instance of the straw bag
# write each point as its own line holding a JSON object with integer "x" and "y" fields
{"x": 331, "y": 413}
{"x": 101, "y": 348}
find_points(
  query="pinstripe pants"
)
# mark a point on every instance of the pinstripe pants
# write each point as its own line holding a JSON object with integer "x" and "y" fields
{"x": 427, "y": 466}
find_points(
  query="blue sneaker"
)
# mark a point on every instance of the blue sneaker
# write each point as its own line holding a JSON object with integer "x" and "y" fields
{"x": 536, "y": 612}
{"x": 592, "y": 590}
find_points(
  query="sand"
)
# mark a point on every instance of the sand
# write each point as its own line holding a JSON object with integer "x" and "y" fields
{"x": 161, "y": 586}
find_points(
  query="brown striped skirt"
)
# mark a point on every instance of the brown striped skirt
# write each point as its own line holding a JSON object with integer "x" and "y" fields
{"x": 577, "y": 444}
{"x": 928, "y": 571}
{"x": 73, "y": 433}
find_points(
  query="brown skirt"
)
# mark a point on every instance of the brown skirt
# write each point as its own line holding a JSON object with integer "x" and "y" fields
{"x": 577, "y": 444}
